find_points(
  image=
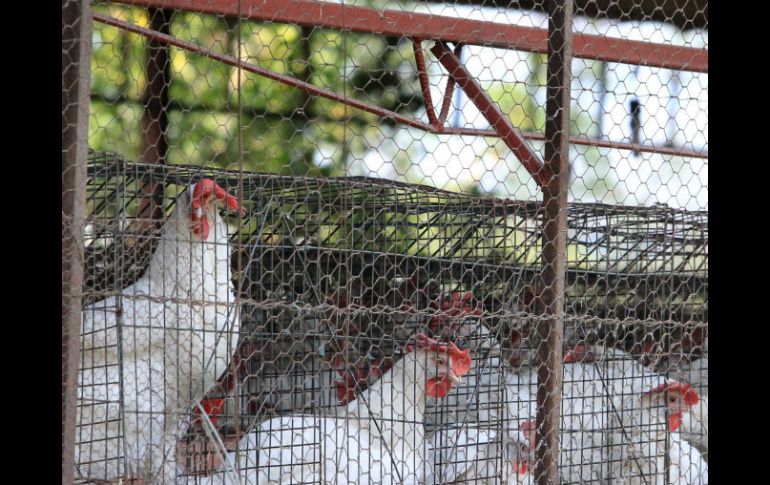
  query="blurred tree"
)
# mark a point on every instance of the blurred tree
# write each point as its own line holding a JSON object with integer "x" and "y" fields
{"x": 284, "y": 130}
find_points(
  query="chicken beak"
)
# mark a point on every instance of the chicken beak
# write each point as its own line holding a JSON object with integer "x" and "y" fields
{"x": 453, "y": 377}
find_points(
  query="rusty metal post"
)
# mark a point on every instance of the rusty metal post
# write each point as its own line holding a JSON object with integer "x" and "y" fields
{"x": 76, "y": 85}
{"x": 551, "y": 327}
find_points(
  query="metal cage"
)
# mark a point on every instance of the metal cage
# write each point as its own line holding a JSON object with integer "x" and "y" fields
{"x": 384, "y": 242}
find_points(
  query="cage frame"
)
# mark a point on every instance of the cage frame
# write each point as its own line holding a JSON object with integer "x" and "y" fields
{"x": 419, "y": 27}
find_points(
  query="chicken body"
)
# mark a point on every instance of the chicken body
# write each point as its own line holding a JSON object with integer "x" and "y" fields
{"x": 467, "y": 454}
{"x": 153, "y": 349}
{"x": 377, "y": 438}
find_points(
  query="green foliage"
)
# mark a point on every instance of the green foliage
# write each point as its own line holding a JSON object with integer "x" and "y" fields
{"x": 115, "y": 127}
{"x": 196, "y": 80}
{"x": 515, "y": 101}
{"x": 284, "y": 130}
{"x": 118, "y": 57}
{"x": 598, "y": 180}
{"x": 580, "y": 122}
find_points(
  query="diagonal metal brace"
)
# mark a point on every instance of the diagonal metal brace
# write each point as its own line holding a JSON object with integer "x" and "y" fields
{"x": 492, "y": 113}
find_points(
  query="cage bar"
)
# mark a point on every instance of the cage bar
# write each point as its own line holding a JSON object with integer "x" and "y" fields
{"x": 76, "y": 78}
{"x": 551, "y": 329}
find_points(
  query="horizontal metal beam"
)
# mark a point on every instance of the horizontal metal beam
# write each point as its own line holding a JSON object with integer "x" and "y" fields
{"x": 685, "y": 14}
{"x": 638, "y": 147}
{"x": 438, "y": 27}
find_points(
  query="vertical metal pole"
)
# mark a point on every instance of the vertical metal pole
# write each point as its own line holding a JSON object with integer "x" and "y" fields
{"x": 551, "y": 327}
{"x": 76, "y": 86}
{"x": 155, "y": 100}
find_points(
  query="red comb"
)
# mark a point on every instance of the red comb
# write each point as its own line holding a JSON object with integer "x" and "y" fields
{"x": 202, "y": 189}
{"x": 520, "y": 467}
{"x": 231, "y": 201}
{"x": 205, "y": 187}
{"x": 529, "y": 428}
{"x": 577, "y": 354}
{"x": 688, "y": 393}
{"x": 648, "y": 347}
{"x": 461, "y": 359}
{"x": 212, "y": 407}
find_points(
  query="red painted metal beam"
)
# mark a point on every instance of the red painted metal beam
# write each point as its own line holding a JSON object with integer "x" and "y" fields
{"x": 422, "y": 73}
{"x": 500, "y": 123}
{"x": 438, "y": 27}
{"x": 449, "y": 91}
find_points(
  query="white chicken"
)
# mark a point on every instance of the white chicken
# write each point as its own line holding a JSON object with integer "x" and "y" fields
{"x": 632, "y": 453}
{"x": 687, "y": 464}
{"x": 150, "y": 351}
{"x": 633, "y": 416}
{"x": 579, "y": 413}
{"x": 377, "y": 438}
{"x": 466, "y": 447}
{"x": 695, "y": 424}
{"x": 468, "y": 454}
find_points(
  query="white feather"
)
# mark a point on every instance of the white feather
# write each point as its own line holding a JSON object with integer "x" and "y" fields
{"x": 171, "y": 331}
{"x": 378, "y": 438}
{"x": 687, "y": 465}
{"x": 481, "y": 456}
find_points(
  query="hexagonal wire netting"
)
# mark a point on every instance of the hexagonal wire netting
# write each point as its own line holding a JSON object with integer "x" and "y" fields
{"x": 331, "y": 265}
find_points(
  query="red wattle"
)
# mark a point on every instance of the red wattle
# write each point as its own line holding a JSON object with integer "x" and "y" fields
{"x": 345, "y": 394}
{"x": 674, "y": 421}
{"x": 200, "y": 227}
{"x": 232, "y": 203}
{"x": 578, "y": 354}
{"x": 438, "y": 387}
{"x": 519, "y": 467}
{"x": 211, "y": 406}
{"x": 570, "y": 357}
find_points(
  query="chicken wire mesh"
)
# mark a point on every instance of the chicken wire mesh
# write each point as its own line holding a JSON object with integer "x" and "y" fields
{"x": 381, "y": 212}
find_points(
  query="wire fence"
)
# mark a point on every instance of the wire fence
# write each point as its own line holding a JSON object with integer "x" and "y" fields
{"x": 384, "y": 242}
